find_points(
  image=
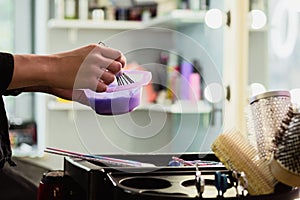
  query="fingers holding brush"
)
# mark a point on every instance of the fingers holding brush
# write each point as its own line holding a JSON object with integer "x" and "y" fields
{"x": 113, "y": 54}
{"x": 100, "y": 68}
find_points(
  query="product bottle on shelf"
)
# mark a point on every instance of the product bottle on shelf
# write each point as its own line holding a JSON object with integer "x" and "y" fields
{"x": 196, "y": 82}
{"x": 59, "y": 9}
{"x": 195, "y": 87}
{"x": 83, "y": 9}
{"x": 172, "y": 72}
{"x": 186, "y": 69}
{"x": 71, "y": 7}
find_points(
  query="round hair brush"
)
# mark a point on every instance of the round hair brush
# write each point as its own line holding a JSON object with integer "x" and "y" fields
{"x": 285, "y": 164}
{"x": 268, "y": 110}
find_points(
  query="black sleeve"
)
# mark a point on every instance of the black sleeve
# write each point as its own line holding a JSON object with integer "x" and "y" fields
{"x": 6, "y": 70}
{"x": 14, "y": 92}
{"x": 5, "y": 148}
{"x": 6, "y": 73}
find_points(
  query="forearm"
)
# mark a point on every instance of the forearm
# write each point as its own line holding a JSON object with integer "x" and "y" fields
{"x": 30, "y": 70}
{"x": 72, "y": 95}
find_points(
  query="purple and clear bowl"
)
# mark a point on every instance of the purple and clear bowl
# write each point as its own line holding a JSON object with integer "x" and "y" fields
{"x": 119, "y": 99}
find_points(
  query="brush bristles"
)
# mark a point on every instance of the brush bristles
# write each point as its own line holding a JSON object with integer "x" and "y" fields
{"x": 286, "y": 162}
{"x": 236, "y": 153}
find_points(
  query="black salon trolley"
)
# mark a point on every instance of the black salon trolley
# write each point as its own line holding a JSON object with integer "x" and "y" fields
{"x": 86, "y": 180}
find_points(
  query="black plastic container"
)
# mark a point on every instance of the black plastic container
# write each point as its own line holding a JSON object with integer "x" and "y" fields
{"x": 163, "y": 182}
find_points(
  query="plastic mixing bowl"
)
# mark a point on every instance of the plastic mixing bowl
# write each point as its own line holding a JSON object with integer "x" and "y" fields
{"x": 119, "y": 99}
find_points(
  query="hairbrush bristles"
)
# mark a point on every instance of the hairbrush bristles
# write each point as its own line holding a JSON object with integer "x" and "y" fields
{"x": 285, "y": 164}
{"x": 236, "y": 153}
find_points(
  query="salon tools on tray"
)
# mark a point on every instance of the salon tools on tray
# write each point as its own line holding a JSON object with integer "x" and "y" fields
{"x": 273, "y": 158}
{"x": 176, "y": 161}
{"x": 236, "y": 153}
{"x": 221, "y": 183}
{"x": 109, "y": 161}
{"x": 199, "y": 181}
{"x": 162, "y": 182}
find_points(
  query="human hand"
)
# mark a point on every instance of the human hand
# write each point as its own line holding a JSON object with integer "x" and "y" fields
{"x": 92, "y": 66}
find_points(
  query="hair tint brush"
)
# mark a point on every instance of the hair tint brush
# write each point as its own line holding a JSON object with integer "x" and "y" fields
{"x": 237, "y": 154}
{"x": 285, "y": 164}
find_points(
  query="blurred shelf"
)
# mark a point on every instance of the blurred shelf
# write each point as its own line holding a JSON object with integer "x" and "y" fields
{"x": 90, "y": 24}
{"x": 54, "y": 105}
{"x": 177, "y": 18}
{"x": 179, "y": 107}
{"x": 172, "y": 20}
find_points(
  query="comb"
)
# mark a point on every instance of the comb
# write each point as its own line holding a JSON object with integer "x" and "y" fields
{"x": 237, "y": 154}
